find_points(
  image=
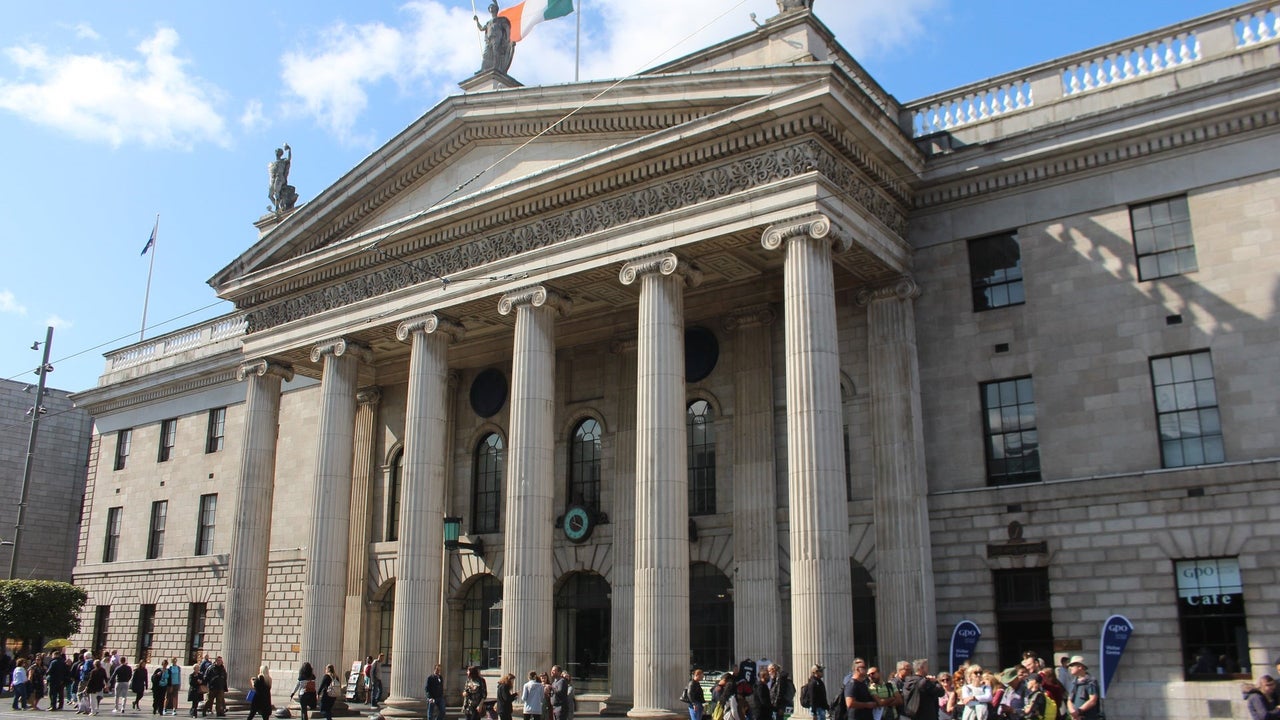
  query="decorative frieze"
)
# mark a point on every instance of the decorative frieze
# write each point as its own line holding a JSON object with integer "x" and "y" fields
{"x": 736, "y": 176}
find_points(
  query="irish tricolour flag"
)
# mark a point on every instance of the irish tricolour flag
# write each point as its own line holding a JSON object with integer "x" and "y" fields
{"x": 525, "y": 15}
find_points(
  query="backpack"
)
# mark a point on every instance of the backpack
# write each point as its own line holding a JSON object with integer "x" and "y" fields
{"x": 309, "y": 687}
{"x": 1050, "y": 709}
{"x": 163, "y": 681}
{"x": 806, "y": 696}
{"x": 838, "y": 710}
{"x": 156, "y": 677}
{"x": 911, "y": 701}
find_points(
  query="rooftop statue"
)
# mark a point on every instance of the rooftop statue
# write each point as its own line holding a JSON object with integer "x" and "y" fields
{"x": 789, "y": 5}
{"x": 498, "y": 48}
{"x": 280, "y": 192}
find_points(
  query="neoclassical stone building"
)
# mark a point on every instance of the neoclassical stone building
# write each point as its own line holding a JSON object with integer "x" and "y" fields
{"x": 744, "y": 358}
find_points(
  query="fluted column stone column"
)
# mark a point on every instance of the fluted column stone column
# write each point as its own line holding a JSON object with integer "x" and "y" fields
{"x": 527, "y": 602}
{"x": 757, "y": 608}
{"x": 819, "y": 517}
{"x": 904, "y": 565}
{"x": 251, "y": 523}
{"x": 622, "y": 518}
{"x": 416, "y": 634}
{"x": 353, "y": 645}
{"x": 324, "y": 592}
{"x": 661, "y": 622}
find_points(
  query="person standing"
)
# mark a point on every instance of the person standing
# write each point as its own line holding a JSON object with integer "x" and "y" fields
{"x": 693, "y": 695}
{"x": 474, "y": 693}
{"x": 57, "y": 679}
{"x": 506, "y": 696}
{"x": 195, "y": 689}
{"x": 375, "y": 680}
{"x": 260, "y": 703}
{"x": 435, "y": 695}
{"x": 884, "y": 694}
{"x": 931, "y": 692}
{"x": 815, "y": 693}
{"x": 570, "y": 698}
{"x": 215, "y": 679}
{"x": 139, "y": 683}
{"x": 18, "y": 684}
{"x": 857, "y": 693}
{"x": 96, "y": 684}
{"x": 1083, "y": 701}
{"x": 760, "y": 703}
{"x": 782, "y": 690}
{"x": 173, "y": 685}
{"x": 159, "y": 678}
{"x": 305, "y": 690}
{"x": 531, "y": 696}
{"x": 120, "y": 679}
{"x": 328, "y": 690}
{"x": 35, "y": 682}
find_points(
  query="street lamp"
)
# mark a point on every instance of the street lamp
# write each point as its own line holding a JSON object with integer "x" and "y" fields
{"x": 452, "y": 531}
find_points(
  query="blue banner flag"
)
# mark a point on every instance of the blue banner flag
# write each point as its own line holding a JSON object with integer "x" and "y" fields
{"x": 1115, "y": 635}
{"x": 152, "y": 240}
{"x": 964, "y": 638}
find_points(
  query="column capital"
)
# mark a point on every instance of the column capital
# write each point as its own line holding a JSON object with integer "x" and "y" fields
{"x": 371, "y": 395}
{"x": 537, "y": 296}
{"x": 262, "y": 367}
{"x": 816, "y": 226}
{"x": 749, "y": 317}
{"x": 340, "y": 346}
{"x": 661, "y": 263}
{"x": 904, "y": 288}
{"x": 430, "y": 323}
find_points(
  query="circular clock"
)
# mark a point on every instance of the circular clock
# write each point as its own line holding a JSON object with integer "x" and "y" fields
{"x": 578, "y": 523}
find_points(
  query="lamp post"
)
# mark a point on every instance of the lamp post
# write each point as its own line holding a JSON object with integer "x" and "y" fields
{"x": 452, "y": 531}
{"x": 36, "y": 411}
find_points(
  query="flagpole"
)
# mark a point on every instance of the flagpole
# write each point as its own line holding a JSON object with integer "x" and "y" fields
{"x": 577, "y": 50}
{"x": 146, "y": 299}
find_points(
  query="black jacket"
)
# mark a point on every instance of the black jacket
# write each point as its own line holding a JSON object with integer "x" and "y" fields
{"x": 761, "y": 703}
{"x": 930, "y": 693}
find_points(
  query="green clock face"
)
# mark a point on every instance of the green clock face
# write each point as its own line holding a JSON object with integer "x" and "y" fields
{"x": 578, "y": 524}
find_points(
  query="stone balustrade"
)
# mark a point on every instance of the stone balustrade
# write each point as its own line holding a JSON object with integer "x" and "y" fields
{"x": 1232, "y": 31}
{"x": 213, "y": 331}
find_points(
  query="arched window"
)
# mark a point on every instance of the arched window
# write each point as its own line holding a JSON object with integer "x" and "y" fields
{"x": 482, "y": 623}
{"x": 393, "y": 496}
{"x": 486, "y": 484}
{"x": 584, "y": 464}
{"x": 582, "y": 630}
{"x": 702, "y": 459}
{"x": 710, "y": 617}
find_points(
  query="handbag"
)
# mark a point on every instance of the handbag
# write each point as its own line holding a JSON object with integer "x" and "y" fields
{"x": 249, "y": 698}
{"x": 332, "y": 690}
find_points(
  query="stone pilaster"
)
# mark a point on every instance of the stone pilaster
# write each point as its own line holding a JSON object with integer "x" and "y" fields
{"x": 416, "y": 633}
{"x": 904, "y": 565}
{"x": 757, "y": 608}
{"x": 251, "y": 522}
{"x": 367, "y": 401}
{"x": 324, "y": 592}
{"x": 622, "y": 518}
{"x": 661, "y": 620}
{"x": 819, "y": 517}
{"x": 527, "y": 609}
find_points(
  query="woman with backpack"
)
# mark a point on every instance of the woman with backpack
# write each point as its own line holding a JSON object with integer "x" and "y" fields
{"x": 305, "y": 690}
{"x": 328, "y": 690}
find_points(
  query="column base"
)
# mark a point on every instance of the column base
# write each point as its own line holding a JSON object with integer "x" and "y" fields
{"x": 404, "y": 708}
{"x": 654, "y": 714}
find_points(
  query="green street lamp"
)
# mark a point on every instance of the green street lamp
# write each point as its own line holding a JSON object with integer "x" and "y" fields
{"x": 452, "y": 531}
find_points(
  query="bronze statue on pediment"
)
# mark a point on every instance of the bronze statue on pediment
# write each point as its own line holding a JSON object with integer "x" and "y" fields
{"x": 791, "y": 5}
{"x": 498, "y": 47}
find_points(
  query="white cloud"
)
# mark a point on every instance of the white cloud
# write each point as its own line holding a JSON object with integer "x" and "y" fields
{"x": 97, "y": 98}
{"x": 253, "y": 118}
{"x": 57, "y": 322}
{"x": 9, "y": 303}
{"x": 86, "y": 32}
{"x": 437, "y": 46}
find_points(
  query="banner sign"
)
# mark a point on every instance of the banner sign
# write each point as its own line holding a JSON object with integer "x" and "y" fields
{"x": 1115, "y": 635}
{"x": 964, "y": 638}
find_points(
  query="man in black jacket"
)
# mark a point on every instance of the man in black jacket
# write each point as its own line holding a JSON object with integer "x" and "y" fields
{"x": 57, "y": 679}
{"x": 216, "y": 680}
{"x": 927, "y": 687}
{"x": 760, "y": 701}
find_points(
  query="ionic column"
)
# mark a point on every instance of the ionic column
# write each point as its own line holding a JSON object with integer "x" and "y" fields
{"x": 367, "y": 401}
{"x": 757, "y": 611}
{"x": 904, "y": 564}
{"x": 661, "y": 621}
{"x": 527, "y": 610}
{"x": 324, "y": 593}
{"x": 819, "y": 518}
{"x": 622, "y": 518}
{"x": 251, "y": 523}
{"x": 416, "y": 633}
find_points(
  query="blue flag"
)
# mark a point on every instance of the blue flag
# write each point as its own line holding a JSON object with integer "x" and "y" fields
{"x": 152, "y": 240}
{"x": 1115, "y": 635}
{"x": 964, "y": 638}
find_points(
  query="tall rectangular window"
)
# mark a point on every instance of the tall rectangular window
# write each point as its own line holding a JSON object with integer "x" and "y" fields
{"x": 124, "y": 439}
{"x": 995, "y": 271}
{"x": 486, "y": 484}
{"x": 204, "y": 529}
{"x": 1162, "y": 238}
{"x": 146, "y": 630}
{"x": 168, "y": 438}
{"x": 112, "y": 544}
{"x": 1009, "y": 423}
{"x": 1187, "y": 410}
{"x": 1211, "y": 616}
{"x": 702, "y": 458}
{"x": 217, "y": 430}
{"x": 155, "y": 538}
{"x": 196, "y": 616}
{"x": 101, "y": 619}
{"x": 1024, "y": 620}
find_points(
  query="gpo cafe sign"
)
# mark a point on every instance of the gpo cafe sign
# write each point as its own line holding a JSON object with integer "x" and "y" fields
{"x": 1208, "y": 583}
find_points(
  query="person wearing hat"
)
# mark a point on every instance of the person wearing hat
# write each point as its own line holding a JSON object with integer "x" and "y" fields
{"x": 814, "y": 695}
{"x": 1083, "y": 701}
{"x": 1014, "y": 696}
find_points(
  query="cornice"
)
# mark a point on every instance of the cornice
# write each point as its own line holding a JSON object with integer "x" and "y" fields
{"x": 162, "y": 392}
{"x": 618, "y": 200}
{"x": 1094, "y": 159}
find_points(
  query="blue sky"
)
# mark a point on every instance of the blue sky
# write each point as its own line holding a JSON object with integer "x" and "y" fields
{"x": 114, "y": 111}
